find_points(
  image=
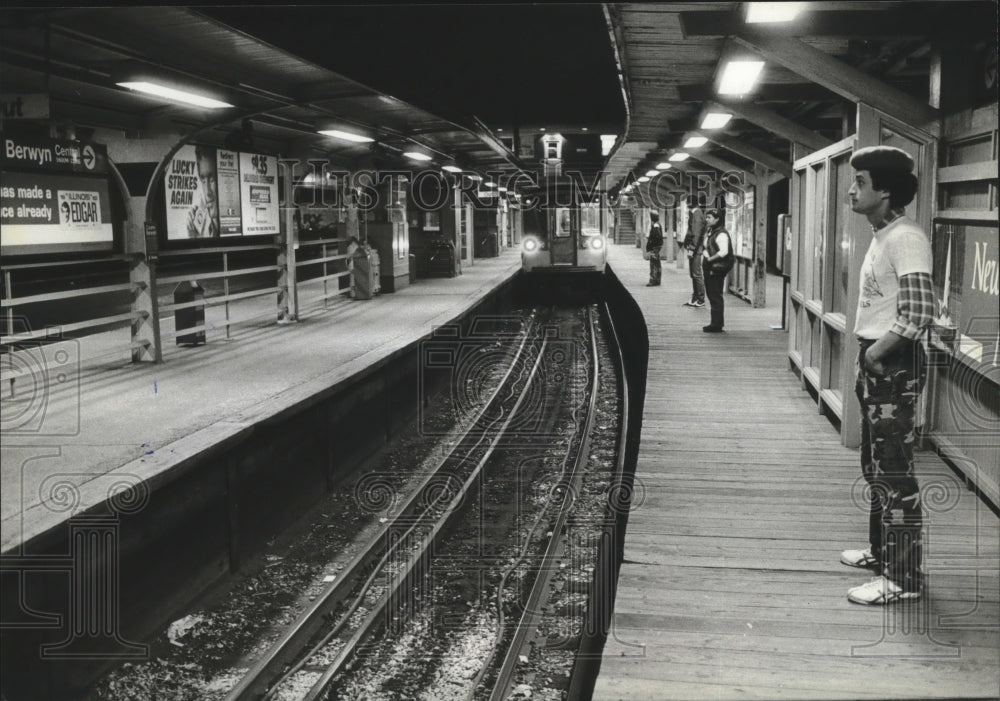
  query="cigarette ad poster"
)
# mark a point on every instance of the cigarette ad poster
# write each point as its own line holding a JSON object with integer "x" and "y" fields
{"x": 228, "y": 180}
{"x": 192, "y": 194}
{"x": 259, "y": 194}
{"x": 40, "y": 212}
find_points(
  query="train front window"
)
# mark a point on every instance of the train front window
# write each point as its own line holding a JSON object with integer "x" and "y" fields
{"x": 562, "y": 228}
{"x": 590, "y": 220}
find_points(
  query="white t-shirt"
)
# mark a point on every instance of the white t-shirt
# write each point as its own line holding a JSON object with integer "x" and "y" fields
{"x": 900, "y": 248}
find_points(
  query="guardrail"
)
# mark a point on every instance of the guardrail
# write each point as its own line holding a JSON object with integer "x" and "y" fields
{"x": 21, "y": 343}
{"x": 322, "y": 296}
{"x": 226, "y": 275}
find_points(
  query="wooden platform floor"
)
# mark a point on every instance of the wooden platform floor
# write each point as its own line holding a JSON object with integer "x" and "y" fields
{"x": 732, "y": 586}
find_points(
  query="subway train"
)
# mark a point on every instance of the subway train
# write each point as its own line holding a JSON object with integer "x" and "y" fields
{"x": 565, "y": 219}
{"x": 565, "y": 239}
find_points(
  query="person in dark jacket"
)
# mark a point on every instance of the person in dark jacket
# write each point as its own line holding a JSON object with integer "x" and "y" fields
{"x": 694, "y": 244}
{"x": 716, "y": 262}
{"x": 654, "y": 242}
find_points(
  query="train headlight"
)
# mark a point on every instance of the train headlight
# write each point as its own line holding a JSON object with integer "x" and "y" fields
{"x": 597, "y": 243}
{"x": 530, "y": 245}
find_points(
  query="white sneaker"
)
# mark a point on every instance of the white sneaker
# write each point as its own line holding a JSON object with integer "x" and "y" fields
{"x": 859, "y": 558}
{"x": 880, "y": 591}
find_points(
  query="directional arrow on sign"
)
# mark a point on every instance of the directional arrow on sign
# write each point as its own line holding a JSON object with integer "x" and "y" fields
{"x": 89, "y": 158}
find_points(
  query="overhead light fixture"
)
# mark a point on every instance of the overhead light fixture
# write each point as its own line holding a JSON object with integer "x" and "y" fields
{"x": 695, "y": 142}
{"x": 663, "y": 166}
{"x": 584, "y": 128}
{"x": 739, "y": 77}
{"x": 473, "y": 177}
{"x": 644, "y": 179}
{"x": 773, "y": 11}
{"x": 417, "y": 155}
{"x": 173, "y": 94}
{"x": 651, "y": 173}
{"x": 715, "y": 120}
{"x": 543, "y": 128}
{"x": 489, "y": 183}
{"x": 680, "y": 156}
{"x": 502, "y": 189}
{"x": 499, "y": 128}
{"x": 347, "y": 136}
{"x": 451, "y": 169}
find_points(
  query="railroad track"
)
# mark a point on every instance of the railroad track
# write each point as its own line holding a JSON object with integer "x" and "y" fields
{"x": 397, "y": 557}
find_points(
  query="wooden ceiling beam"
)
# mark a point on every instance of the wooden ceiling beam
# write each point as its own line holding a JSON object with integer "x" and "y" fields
{"x": 772, "y": 122}
{"x": 756, "y": 155}
{"x": 774, "y": 92}
{"x": 845, "y": 80}
{"x": 720, "y": 164}
{"x": 868, "y": 24}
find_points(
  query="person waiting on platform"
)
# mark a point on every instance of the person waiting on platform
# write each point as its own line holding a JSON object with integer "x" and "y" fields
{"x": 694, "y": 244}
{"x": 895, "y": 303}
{"x": 717, "y": 260}
{"x": 654, "y": 242}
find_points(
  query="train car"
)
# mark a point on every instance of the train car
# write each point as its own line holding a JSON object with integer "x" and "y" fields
{"x": 572, "y": 238}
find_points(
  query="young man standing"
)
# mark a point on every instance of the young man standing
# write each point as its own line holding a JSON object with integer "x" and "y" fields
{"x": 654, "y": 242}
{"x": 694, "y": 244}
{"x": 896, "y": 302}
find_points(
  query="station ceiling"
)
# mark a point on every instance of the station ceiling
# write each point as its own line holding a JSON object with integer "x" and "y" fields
{"x": 447, "y": 78}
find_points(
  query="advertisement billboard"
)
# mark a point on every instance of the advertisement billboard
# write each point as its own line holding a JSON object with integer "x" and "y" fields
{"x": 46, "y": 213}
{"x": 259, "y": 194}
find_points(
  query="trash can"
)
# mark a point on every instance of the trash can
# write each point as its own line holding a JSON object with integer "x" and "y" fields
{"x": 362, "y": 277}
{"x": 192, "y": 316}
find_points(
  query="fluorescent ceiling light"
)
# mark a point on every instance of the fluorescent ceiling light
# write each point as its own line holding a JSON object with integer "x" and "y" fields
{"x": 715, "y": 120}
{"x": 773, "y": 11}
{"x": 473, "y": 177}
{"x": 584, "y": 128}
{"x": 644, "y": 179}
{"x": 489, "y": 184}
{"x": 695, "y": 142}
{"x": 663, "y": 166}
{"x": 502, "y": 189}
{"x": 651, "y": 173}
{"x": 416, "y": 155}
{"x": 174, "y": 95}
{"x": 679, "y": 156}
{"x": 738, "y": 77}
{"x": 452, "y": 169}
{"x": 347, "y": 136}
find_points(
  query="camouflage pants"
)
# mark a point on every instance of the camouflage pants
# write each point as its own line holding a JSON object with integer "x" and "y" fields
{"x": 888, "y": 408}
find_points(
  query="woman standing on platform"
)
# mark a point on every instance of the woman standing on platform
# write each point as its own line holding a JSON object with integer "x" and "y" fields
{"x": 717, "y": 261}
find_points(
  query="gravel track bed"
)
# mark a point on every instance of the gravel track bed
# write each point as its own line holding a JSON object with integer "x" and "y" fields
{"x": 439, "y": 645}
{"x": 205, "y": 652}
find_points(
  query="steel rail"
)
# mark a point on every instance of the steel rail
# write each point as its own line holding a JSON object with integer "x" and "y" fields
{"x": 571, "y": 484}
{"x": 601, "y": 599}
{"x": 420, "y": 555}
{"x": 263, "y": 673}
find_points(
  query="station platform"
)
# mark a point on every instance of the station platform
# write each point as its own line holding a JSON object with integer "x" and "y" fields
{"x": 104, "y": 428}
{"x": 731, "y": 586}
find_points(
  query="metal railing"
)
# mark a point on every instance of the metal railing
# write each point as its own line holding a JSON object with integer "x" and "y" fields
{"x": 21, "y": 343}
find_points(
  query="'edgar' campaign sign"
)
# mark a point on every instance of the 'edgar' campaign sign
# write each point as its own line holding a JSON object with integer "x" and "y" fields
{"x": 54, "y": 197}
